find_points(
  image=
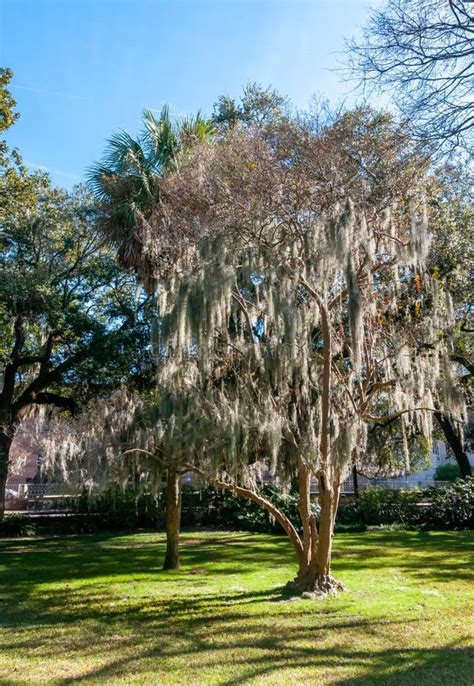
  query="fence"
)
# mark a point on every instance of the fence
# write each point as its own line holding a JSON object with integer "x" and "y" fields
{"x": 31, "y": 490}
{"x": 32, "y": 496}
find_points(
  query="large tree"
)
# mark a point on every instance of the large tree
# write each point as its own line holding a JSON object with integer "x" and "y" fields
{"x": 451, "y": 262}
{"x": 421, "y": 52}
{"x": 16, "y": 186}
{"x": 71, "y": 324}
{"x": 293, "y": 311}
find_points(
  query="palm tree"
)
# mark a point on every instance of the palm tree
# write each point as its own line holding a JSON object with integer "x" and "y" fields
{"x": 127, "y": 179}
{"x": 127, "y": 182}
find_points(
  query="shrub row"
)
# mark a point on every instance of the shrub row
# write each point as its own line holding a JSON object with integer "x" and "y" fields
{"x": 450, "y": 507}
{"x": 115, "y": 509}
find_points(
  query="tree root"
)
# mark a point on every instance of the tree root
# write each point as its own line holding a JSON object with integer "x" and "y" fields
{"x": 315, "y": 589}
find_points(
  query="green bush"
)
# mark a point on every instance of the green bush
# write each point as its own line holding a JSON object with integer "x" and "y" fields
{"x": 379, "y": 506}
{"x": 225, "y": 508}
{"x": 451, "y": 507}
{"x": 447, "y": 472}
{"x": 447, "y": 507}
{"x": 17, "y": 525}
{"x": 116, "y": 508}
{"x": 393, "y": 507}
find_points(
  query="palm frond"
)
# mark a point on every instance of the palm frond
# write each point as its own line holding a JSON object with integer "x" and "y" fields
{"x": 195, "y": 129}
{"x": 127, "y": 177}
{"x": 124, "y": 153}
{"x": 160, "y": 140}
{"x": 96, "y": 174}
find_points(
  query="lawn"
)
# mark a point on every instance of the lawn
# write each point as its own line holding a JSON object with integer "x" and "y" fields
{"x": 97, "y": 609}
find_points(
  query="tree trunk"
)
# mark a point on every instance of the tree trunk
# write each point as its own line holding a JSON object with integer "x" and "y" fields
{"x": 313, "y": 549}
{"x": 5, "y": 444}
{"x": 454, "y": 442}
{"x": 314, "y": 575}
{"x": 173, "y": 519}
{"x": 355, "y": 481}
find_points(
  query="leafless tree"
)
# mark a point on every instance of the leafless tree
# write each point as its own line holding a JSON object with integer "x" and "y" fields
{"x": 421, "y": 51}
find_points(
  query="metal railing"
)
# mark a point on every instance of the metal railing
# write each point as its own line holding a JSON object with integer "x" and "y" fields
{"x": 31, "y": 490}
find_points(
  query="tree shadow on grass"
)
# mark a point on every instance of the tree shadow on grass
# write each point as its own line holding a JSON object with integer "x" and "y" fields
{"x": 448, "y": 665}
{"x": 84, "y": 558}
{"x": 423, "y": 666}
{"x": 107, "y": 555}
{"x": 423, "y": 554}
{"x": 184, "y": 621}
{"x": 208, "y": 631}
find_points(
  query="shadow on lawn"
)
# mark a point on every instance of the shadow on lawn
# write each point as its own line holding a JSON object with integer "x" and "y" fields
{"x": 434, "y": 548}
{"x": 88, "y": 565}
{"x": 85, "y": 557}
{"x": 107, "y": 555}
{"x": 195, "y": 630}
{"x": 390, "y": 667}
{"x": 425, "y": 666}
{"x": 210, "y": 629}
{"x": 28, "y": 563}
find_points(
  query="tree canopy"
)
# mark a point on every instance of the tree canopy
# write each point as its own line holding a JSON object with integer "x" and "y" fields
{"x": 72, "y": 322}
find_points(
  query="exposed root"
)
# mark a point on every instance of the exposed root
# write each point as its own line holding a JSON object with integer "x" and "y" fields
{"x": 316, "y": 588}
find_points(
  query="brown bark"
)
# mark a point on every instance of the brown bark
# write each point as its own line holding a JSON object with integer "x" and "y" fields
{"x": 314, "y": 574}
{"x": 308, "y": 522}
{"x": 454, "y": 442}
{"x": 5, "y": 444}
{"x": 173, "y": 519}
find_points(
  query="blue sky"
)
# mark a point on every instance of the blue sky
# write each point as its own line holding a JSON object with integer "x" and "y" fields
{"x": 85, "y": 68}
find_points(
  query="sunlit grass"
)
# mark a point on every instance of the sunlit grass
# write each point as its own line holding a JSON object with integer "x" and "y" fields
{"x": 99, "y": 610}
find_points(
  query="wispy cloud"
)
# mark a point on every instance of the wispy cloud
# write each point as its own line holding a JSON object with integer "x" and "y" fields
{"x": 52, "y": 170}
{"x": 174, "y": 111}
{"x": 44, "y": 91}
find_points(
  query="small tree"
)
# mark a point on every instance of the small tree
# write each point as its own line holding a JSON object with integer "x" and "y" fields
{"x": 113, "y": 441}
{"x": 127, "y": 182}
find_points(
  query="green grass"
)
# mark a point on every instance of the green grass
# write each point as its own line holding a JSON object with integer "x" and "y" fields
{"x": 97, "y": 609}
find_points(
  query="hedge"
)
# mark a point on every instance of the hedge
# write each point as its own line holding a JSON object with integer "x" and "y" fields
{"x": 449, "y": 507}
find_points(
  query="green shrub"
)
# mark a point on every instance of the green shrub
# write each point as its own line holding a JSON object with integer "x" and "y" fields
{"x": 447, "y": 472}
{"x": 396, "y": 507}
{"x": 228, "y": 509}
{"x": 379, "y": 506}
{"x": 116, "y": 508}
{"x": 451, "y": 507}
{"x": 447, "y": 507}
{"x": 125, "y": 509}
{"x": 17, "y": 525}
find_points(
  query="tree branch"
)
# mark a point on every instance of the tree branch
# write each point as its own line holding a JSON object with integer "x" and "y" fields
{"x": 47, "y": 398}
{"x": 255, "y": 497}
